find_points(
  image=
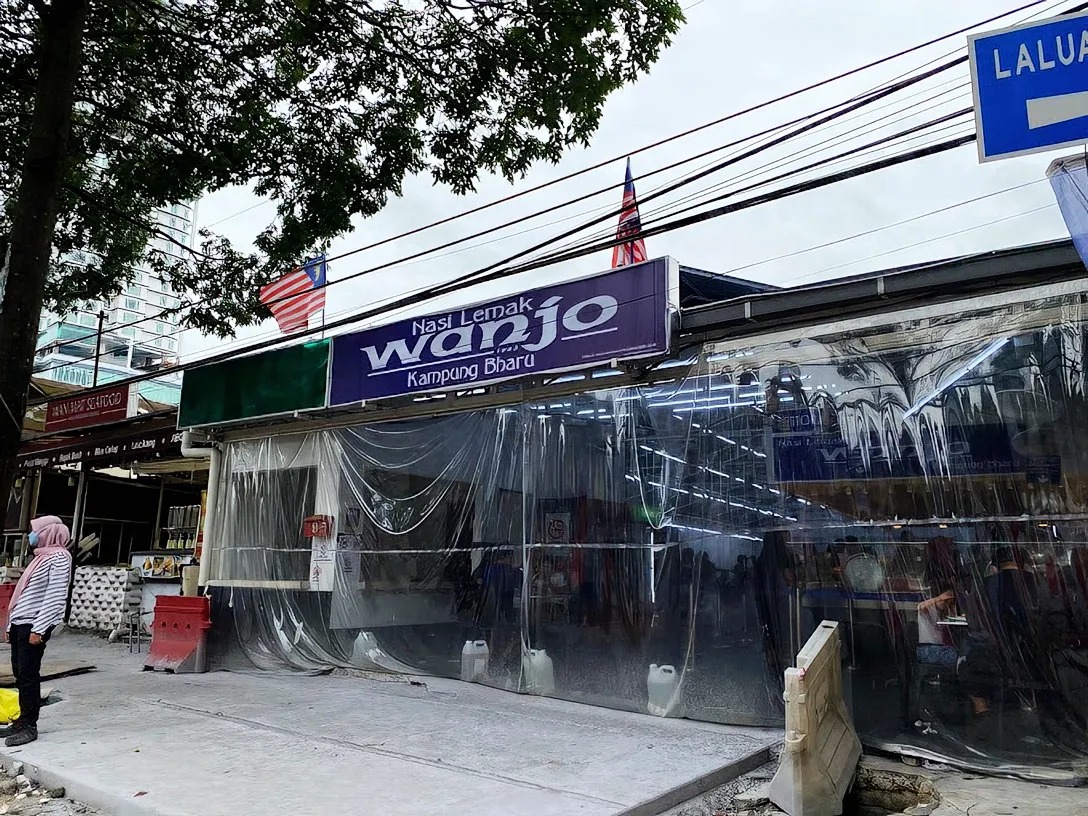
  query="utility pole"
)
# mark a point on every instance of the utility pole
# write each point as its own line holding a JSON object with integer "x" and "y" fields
{"x": 98, "y": 345}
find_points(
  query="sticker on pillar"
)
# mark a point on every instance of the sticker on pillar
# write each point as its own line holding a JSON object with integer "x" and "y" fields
{"x": 317, "y": 527}
{"x": 322, "y": 573}
{"x": 557, "y": 528}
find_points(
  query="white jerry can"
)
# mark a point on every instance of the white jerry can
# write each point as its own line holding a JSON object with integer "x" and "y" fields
{"x": 539, "y": 672}
{"x": 662, "y": 690}
{"x": 474, "y": 658}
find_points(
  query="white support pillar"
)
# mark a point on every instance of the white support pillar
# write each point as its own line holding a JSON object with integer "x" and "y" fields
{"x": 81, "y": 503}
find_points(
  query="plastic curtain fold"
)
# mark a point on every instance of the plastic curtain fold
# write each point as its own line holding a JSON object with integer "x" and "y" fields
{"x": 667, "y": 548}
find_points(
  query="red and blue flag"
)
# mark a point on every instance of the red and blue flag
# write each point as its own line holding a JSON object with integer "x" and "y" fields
{"x": 298, "y": 295}
{"x": 633, "y": 249}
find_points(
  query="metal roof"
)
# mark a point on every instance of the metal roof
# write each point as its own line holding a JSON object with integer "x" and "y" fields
{"x": 920, "y": 284}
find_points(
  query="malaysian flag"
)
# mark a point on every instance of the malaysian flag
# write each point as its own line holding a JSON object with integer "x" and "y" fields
{"x": 298, "y": 295}
{"x": 633, "y": 250}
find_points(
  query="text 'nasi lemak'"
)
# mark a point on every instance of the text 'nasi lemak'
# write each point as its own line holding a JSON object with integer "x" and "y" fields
{"x": 619, "y": 315}
{"x": 519, "y": 327}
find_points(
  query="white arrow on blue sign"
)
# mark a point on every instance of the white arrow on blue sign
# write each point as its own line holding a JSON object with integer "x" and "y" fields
{"x": 1031, "y": 87}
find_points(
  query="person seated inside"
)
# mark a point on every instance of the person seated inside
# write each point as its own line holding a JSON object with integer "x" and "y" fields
{"x": 1001, "y": 644}
{"x": 1013, "y": 594}
{"x": 935, "y": 644}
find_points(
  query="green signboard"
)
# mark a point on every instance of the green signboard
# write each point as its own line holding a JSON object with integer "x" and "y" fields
{"x": 275, "y": 382}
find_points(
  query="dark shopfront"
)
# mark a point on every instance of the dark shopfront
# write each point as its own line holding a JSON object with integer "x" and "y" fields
{"x": 914, "y": 471}
{"x": 117, "y": 483}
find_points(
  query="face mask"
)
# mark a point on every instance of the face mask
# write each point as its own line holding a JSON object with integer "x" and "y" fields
{"x": 32, "y": 539}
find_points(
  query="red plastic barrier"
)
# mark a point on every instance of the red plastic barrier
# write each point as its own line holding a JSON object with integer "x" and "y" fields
{"x": 6, "y": 591}
{"x": 179, "y": 634}
{"x": 184, "y": 604}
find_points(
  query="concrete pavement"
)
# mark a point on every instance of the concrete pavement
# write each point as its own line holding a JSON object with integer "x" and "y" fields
{"x": 134, "y": 742}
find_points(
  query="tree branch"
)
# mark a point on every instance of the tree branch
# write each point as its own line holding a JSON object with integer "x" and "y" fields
{"x": 152, "y": 229}
{"x": 152, "y": 130}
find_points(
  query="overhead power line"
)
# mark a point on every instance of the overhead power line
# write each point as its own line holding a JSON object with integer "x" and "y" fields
{"x": 807, "y": 150}
{"x": 636, "y": 151}
{"x": 808, "y": 123}
{"x": 738, "y": 269}
{"x": 766, "y": 198}
{"x": 953, "y": 234}
{"x": 925, "y": 134}
{"x": 838, "y": 112}
{"x": 488, "y": 274}
{"x": 832, "y": 161}
{"x": 804, "y": 186}
{"x": 714, "y": 123}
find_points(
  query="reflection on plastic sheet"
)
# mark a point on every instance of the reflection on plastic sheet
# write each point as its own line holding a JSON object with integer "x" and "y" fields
{"x": 667, "y": 548}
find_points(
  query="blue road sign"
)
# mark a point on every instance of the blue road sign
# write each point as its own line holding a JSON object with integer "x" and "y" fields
{"x": 1031, "y": 87}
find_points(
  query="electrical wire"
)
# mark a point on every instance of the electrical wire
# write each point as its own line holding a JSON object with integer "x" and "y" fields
{"x": 963, "y": 231}
{"x": 737, "y": 269}
{"x": 568, "y": 218}
{"x": 821, "y": 164}
{"x": 780, "y": 177}
{"x": 925, "y": 131}
{"x": 699, "y": 128}
{"x": 236, "y": 214}
{"x": 867, "y": 99}
{"x": 730, "y": 272}
{"x": 804, "y": 128}
{"x": 644, "y": 148}
{"x": 825, "y": 115}
{"x": 680, "y": 223}
{"x": 480, "y": 233}
{"x": 836, "y": 112}
{"x": 805, "y": 151}
{"x": 489, "y": 273}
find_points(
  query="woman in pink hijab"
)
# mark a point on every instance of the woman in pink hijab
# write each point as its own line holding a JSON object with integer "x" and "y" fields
{"x": 37, "y": 606}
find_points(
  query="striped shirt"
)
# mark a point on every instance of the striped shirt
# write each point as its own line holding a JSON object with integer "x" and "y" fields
{"x": 44, "y": 598}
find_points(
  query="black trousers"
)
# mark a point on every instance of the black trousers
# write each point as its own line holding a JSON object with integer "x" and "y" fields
{"x": 26, "y": 665}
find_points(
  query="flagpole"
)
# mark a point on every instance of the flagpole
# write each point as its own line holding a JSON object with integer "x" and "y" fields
{"x": 324, "y": 283}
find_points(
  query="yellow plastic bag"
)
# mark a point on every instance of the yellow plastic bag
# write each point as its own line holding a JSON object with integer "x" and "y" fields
{"x": 9, "y": 705}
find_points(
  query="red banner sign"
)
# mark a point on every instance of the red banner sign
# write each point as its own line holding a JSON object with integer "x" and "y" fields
{"x": 98, "y": 408}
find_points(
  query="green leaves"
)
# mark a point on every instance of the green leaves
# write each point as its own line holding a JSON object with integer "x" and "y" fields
{"x": 323, "y": 106}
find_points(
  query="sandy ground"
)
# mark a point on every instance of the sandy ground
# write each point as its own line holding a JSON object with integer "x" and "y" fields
{"x": 22, "y": 796}
{"x": 949, "y": 793}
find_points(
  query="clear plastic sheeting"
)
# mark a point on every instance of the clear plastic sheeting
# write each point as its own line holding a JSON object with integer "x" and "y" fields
{"x": 668, "y": 548}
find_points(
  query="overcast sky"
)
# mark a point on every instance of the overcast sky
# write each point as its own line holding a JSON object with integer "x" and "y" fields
{"x": 731, "y": 54}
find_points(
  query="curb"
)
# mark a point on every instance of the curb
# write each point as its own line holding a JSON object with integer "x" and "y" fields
{"x": 77, "y": 788}
{"x": 693, "y": 788}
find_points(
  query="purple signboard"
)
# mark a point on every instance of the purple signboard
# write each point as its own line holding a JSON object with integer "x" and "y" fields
{"x": 620, "y": 315}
